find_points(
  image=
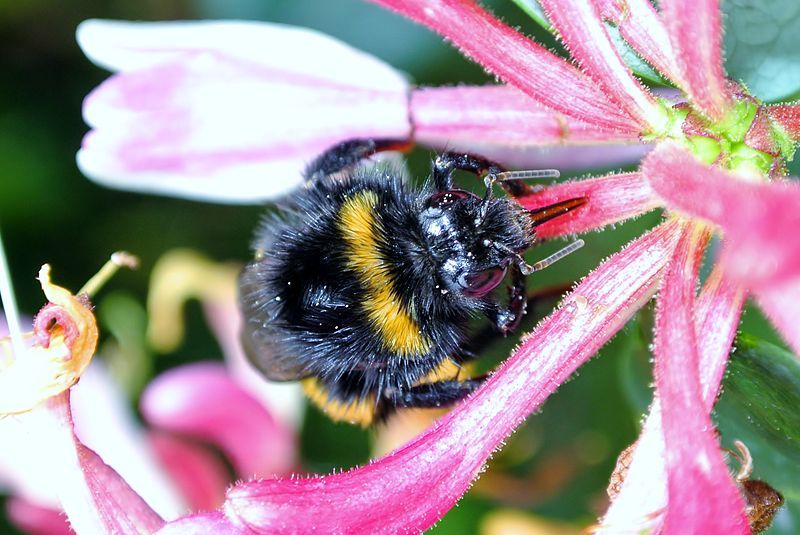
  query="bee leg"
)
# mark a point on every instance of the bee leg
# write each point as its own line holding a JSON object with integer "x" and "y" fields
{"x": 506, "y": 319}
{"x": 431, "y": 395}
{"x": 518, "y": 188}
{"x": 446, "y": 163}
{"x": 347, "y": 154}
{"x": 483, "y": 338}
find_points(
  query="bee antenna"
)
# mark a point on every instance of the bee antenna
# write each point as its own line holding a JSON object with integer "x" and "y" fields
{"x": 530, "y": 174}
{"x": 555, "y": 257}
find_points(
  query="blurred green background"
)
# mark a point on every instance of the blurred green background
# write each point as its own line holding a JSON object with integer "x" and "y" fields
{"x": 555, "y": 467}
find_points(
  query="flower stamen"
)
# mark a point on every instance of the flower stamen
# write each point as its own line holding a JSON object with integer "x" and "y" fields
{"x": 62, "y": 344}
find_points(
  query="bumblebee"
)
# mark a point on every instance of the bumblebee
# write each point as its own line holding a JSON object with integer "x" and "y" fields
{"x": 362, "y": 285}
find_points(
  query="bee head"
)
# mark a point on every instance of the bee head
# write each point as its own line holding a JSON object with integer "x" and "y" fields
{"x": 474, "y": 240}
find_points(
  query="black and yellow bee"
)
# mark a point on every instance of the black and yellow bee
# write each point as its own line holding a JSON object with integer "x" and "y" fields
{"x": 362, "y": 285}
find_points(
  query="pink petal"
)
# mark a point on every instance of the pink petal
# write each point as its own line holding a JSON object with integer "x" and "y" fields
{"x": 585, "y": 36}
{"x": 581, "y": 157}
{"x": 516, "y": 59}
{"x": 184, "y": 274}
{"x": 788, "y": 116}
{"x": 781, "y": 302}
{"x": 411, "y": 488}
{"x": 201, "y": 400}
{"x": 105, "y": 423}
{"x": 35, "y": 519}
{"x": 610, "y": 199}
{"x": 198, "y": 472}
{"x": 460, "y": 117}
{"x": 203, "y": 524}
{"x": 95, "y": 498}
{"x": 642, "y": 28}
{"x": 717, "y": 314}
{"x": 695, "y": 30}
{"x": 285, "y": 401}
{"x": 702, "y": 496}
{"x": 643, "y": 495}
{"x": 754, "y": 216}
{"x": 228, "y": 111}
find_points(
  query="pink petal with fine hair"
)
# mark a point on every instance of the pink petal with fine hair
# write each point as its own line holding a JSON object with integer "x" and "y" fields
{"x": 755, "y": 217}
{"x": 702, "y": 497}
{"x": 610, "y": 199}
{"x": 695, "y": 30}
{"x": 196, "y": 471}
{"x": 498, "y": 115}
{"x": 516, "y": 59}
{"x": 642, "y": 28}
{"x": 202, "y": 401}
{"x": 586, "y": 38}
{"x": 94, "y": 496}
{"x": 788, "y": 116}
{"x": 105, "y": 423}
{"x": 643, "y": 495}
{"x": 411, "y": 488}
{"x": 232, "y": 123}
{"x": 35, "y": 519}
{"x": 717, "y": 314}
{"x": 203, "y": 524}
{"x": 781, "y": 303}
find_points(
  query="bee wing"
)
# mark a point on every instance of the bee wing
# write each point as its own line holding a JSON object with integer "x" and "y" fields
{"x": 263, "y": 342}
{"x": 268, "y": 357}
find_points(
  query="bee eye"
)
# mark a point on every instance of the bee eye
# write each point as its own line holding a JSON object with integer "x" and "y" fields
{"x": 443, "y": 199}
{"x": 481, "y": 283}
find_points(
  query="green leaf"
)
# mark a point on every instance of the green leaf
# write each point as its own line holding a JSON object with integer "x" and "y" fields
{"x": 326, "y": 445}
{"x": 639, "y": 67}
{"x": 129, "y": 360}
{"x": 761, "y": 46}
{"x": 759, "y": 406}
{"x": 633, "y": 60}
{"x": 535, "y": 11}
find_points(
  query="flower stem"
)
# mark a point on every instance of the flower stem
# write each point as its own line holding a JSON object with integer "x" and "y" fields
{"x": 117, "y": 260}
{"x": 10, "y": 303}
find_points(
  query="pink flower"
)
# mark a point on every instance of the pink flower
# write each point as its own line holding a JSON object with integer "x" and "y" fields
{"x": 187, "y": 111}
{"x": 193, "y": 119}
{"x": 110, "y": 484}
{"x": 718, "y": 168}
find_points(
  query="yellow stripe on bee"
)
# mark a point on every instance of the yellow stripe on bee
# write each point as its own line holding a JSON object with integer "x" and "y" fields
{"x": 360, "y": 411}
{"x": 447, "y": 370}
{"x": 363, "y": 235}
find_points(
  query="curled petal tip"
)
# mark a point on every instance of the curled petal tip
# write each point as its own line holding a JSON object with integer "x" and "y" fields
{"x": 201, "y": 400}
{"x": 65, "y": 336}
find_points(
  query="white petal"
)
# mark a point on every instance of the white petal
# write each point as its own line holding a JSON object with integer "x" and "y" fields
{"x": 125, "y": 46}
